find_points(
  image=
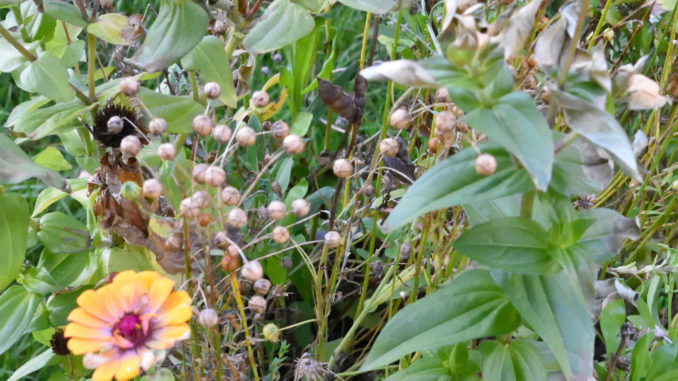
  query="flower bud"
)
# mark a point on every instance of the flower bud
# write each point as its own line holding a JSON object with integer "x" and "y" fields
{"x": 215, "y": 176}
{"x": 260, "y": 99}
{"x": 262, "y": 286}
{"x": 281, "y": 234}
{"x": 342, "y": 168}
{"x": 246, "y": 136}
{"x": 271, "y": 332}
{"x": 608, "y": 34}
{"x": 252, "y": 271}
{"x": 152, "y": 188}
{"x": 300, "y": 207}
{"x": 433, "y": 144}
{"x": 130, "y": 190}
{"x": 332, "y": 239}
{"x": 204, "y": 219}
{"x": 293, "y": 144}
{"x": 199, "y": 173}
{"x": 389, "y": 147}
{"x": 129, "y": 86}
{"x": 445, "y": 123}
{"x": 130, "y": 145}
{"x": 201, "y": 199}
{"x": 277, "y": 210}
{"x": 485, "y": 164}
{"x": 222, "y": 133}
{"x": 230, "y": 262}
{"x": 257, "y": 304}
{"x": 230, "y": 196}
{"x": 221, "y": 240}
{"x": 114, "y": 124}
{"x": 202, "y": 125}
{"x": 158, "y": 126}
{"x": 280, "y": 130}
{"x": 532, "y": 62}
{"x": 188, "y": 208}
{"x": 166, "y": 151}
{"x": 674, "y": 186}
{"x": 212, "y": 90}
{"x": 443, "y": 95}
{"x": 400, "y": 119}
{"x": 208, "y": 318}
{"x": 237, "y": 218}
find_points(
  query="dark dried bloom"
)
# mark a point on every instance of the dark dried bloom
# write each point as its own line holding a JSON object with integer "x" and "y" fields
{"x": 101, "y": 130}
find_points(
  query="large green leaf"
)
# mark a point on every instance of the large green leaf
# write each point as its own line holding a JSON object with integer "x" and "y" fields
{"x": 16, "y": 166}
{"x": 52, "y": 158}
{"x": 50, "y": 195}
{"x": 373, "y": 6}
{"x": 469, "y": 307}
{"x": 46, "y": 76}
{"x": 13, "y": 235}
{"x": 603, "y": 239}
{"x": 210, "y": 59}
{"x": 46, "y": 121}
{"x": 515, "y": 123}
{"x": 283, "y": 23}
{"x": 178, "y": 111}
{"x": 17, "y": 307}
{"x": 33, "y": 365}
{"x": 517, "y": 360}
{"x": 515, "y": 244}
{"x": 425, "y": 369}
{"x": 61, "y": 233}
{"x": 179, "y": 27}
{"x": 10, "y": 58}
{"x": 64, "y": 10}
{"x": 455, "y": 181}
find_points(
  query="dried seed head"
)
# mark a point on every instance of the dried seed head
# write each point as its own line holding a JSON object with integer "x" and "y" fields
{"x": 280, "y": 130}
{"x": 208, "y": 318}
{"x": 202, "y": 125}
{"x": 246, "y": 136}
{"x": 130, "y": 190}
{"x": 367, "y": 190}
{"x": 308, "y": 368}
{"x": 152, "y": 188}
{"x": 530, "y": 83}
{"x": 277, "y": 210}
{"x": 262, "y": 286}
{"x": 271, "y": 332}
{"x": 237, "y": 218}
{"x": 332, "y": 239}
{"x": 485, "y": 164}
{"x": 443, "y": 95}
{"x": 257, "y": 304}
{"x": 532, "y": 62}
{"x": 158, "y": 126}
{"x": 260, "y": 99}
{"x": 129, "y": 86}
{"x": 222, "y": 133}
{"x": 281, "y": 234}
{"x": 252, "y": 271}
{"x": 204, "y": 219}
{"x": 286, "y": 263}
{"x": 462, "y": 127}
{"x": 405, "y": 251}
{"x": 433, "y": 144}
{"x": 212, "y": 90}
{"x": 300, "y": 207}
{"x": 166, "y": 151}
{"x": 199, "y": 173}
{"x": 188, "y": 208}
{"x": 221, "y": 240}
{"x": 400, "y": 119}
{"x": 115, "y": 124}
{"x": 201, "y": 199}
{"x": 215, "y": 176}
{"x": 230, "y": 196}
{"x": 130, "y": 145}
{"x": 229, "y": 262}
{"x": 342, "y": 168}
{"x": 293, "y": 144}
{"x": 389, "y": 147}
{"x": 445, "y": 122}
{"x": 545, "y": 95}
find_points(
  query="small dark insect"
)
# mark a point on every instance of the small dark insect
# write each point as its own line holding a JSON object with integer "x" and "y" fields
{"x": 112, "y": 138}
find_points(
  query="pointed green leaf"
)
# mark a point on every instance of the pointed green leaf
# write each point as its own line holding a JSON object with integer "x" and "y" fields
{"x": 210, "y": 59}
{"x": 517, "y": 360}
{"x": 52, "y": 158}
{"x": 61, "y": 233}
{"x": 425, "y": 369}
{"x": 16, "y": 166}
{"x": 46, "y": 76}
{"x": 17, "y": 307}
{"x": 372, "y": 6}
{"x": 178, "y": 111}
{"x": 283, "y": 23}
{"x": 13, "y": 235}
{"x": 33, "y": 365}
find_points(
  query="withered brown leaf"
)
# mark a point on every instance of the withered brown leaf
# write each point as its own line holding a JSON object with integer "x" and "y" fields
{"x": 349, "y": 107}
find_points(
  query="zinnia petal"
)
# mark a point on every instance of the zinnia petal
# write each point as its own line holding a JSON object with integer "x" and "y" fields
{"x": 81, "y": 316}
{"x": 158, "y": 293}
{"x": 82, "y": 346}
{"x": 176, "y": 309}
{"x": 85, "y": 332}
{"x": 92, "y": 302}
{"x": 129, "y": 367}
{"x": 106, "y": 371}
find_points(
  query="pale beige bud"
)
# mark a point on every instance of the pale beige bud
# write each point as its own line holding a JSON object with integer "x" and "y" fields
{"x": 332, "y": 239}
{"x": 215, "y": 176}
{"x": 202, "y": 125}
{"x": 445, "y": 123}
{"x": 115, "y": 124}
{"x": 388, "y": 147}
{"x": 280, "y": 130}
{"x": 342, "y": 168}
{"x": 281, "y": 234}
{"x": 277, "y": 210}
{"x": 608, "y": 34}
{"x": 221, "y": 240}
{"x": 400, "y": 119}
{"x": 199, "y": 173}
{"x": 246, "y": 136}
{"x": 152, "y": 188}
{"x": 257, "y": 304}
{"x": 252, "y": 271}
{"x": 166, "y": 151}
{"x": 485, "y": 164}
{"x": 129, "y": 86}
{"x": 293, "y": 144}
{"x": 130, "y": 145}
{"x": 212, "y": 90}
{"x": 208, "y": 318}
{"x": 443, "y": 95}
{"x": 237, "y": 218}
{"x": 158, "y": 126}
{"x": 201, "y": 199}
{"x": 260, "y": 99}
{"x": 222, "y": 133}
{"x": 262, "y": 286}
{"x": 300, "y": 207}
{"x": 188, "y": 209}
{"x": 230, "y": 196}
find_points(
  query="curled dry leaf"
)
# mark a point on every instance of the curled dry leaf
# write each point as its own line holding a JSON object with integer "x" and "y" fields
{"x": 644, "y": 93}
{"x": 513, "y": 36}
{"x": 609, "y": 290}
{"x": 349, "y": 107}
{"x": 404, "y": 72}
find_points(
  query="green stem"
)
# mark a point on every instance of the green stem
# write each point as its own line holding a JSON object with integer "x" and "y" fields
{"x": 575, "y": 42}
{"x": 19, "y": 21}
{"x": 669, "y": 52}
{"x": 526, "y": 204}
{"x": 600, "y": 24}
{"x": 91, "y": 62}
{"x": 241, "y": 309}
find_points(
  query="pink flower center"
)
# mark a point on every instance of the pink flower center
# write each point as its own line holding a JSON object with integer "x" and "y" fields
{"x": 129, "y": 327}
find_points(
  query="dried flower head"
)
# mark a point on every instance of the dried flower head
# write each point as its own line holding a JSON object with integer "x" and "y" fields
{"x": 342, "y": 168}
{"x": 389, "y": 147}
{"x": 300, "y": 207}
{"x": 262, "y": 286}
{"x": 212, "y": 90}
{"x": 277, "y": 210}
{"x": 107, "y": 136}
{"x": 208, "y": 318}
{"x": 306, "y": 367}
{"x": 281, "y": 234}
{"x": 293, "y": 144}
{"x": 152, "y": 188}
{"x": 230, "y": 196}
{"x": 166, "y": 151}
{"x": 237, "y": 218}
{"x": 332, "y": 239}
{"x": 260, "y": 99}
{"x": 246, "y": 136}
{"x": 158, "y": 126}
{"x": 252, "y": 271}
{"x": 202, "y": 125}
{"x": 129, "y": 86}
{"x": 130, "y": 145}
{"x": 400, "y": 119}
{"x": 280, "y": 130}
{"x": 485, "y": 164}
{"x": 222, "y": 133}
{"x": 257, "y": 304}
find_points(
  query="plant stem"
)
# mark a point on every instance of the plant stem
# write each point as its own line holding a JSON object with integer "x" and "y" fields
{"x": 575, "y": 42}
{"x": 599, "y": 26}
{"x": 91, "y": 62}
{"x": 526, "y": 204}
{"x": 241, "y": 309}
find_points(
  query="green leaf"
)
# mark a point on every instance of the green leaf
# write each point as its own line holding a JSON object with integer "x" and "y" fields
{"x": 50, "y": 120}
{"x": 640, "y": 357}
{"x": 579, "y": 170}
{"x": 52, "y": 158}
{"x": 17, "y": 307}
{"x": 372, "y": 6}
{"x": 178, "y": 111}
{"x": 517, "y": 360}
{"x": 663, "y": 359}
{"x": 424, "y": 369}
{"x": 50, "y": 195}
{"x": 601, "y": 129}
{"x": 611, "y": 320}
{"x": 63, "y": 10}
{"x": 515, "y": 123}
{"x": 109, "y": 26}
{"x": 515, "y": 244}
{"x": 33, "y": 365}
{"x": 314, "y": 6}
{"x": 61, "y": 305}
{"x": 124, "y": 258}
{"x": 301, "y": 123}
{"x": 283, "y": 23}
{"x": 469, "y": 307}
{"x": 61, "y": 233}
{"x": 16, "y": 166}
{"x": 46, "y": 76}
{"x": 210, "y": 59}
{"x": 605, "y": 236}
{"x": 455, "y": 181}
{"x": 10, "y": 58}
{"x": 13, "y": 235}
{"x": 179, "y": 27}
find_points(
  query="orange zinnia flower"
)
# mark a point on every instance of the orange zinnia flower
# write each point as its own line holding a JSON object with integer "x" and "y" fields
{"x": 128, "y": 324}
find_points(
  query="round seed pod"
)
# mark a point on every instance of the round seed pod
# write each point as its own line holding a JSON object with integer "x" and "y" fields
{"x": 485, "y": 164}
{"x": 229, "y": 262}
{"x": 342, "y": 168}
{"x": 129, "y": 86}
{"x": 252, "y": 271}
{"x": 405, "y": 251}
{"x": 262, "y": 286}
{"x": 443, "y": 95}
{"x": 300, "y": 207}
{"x": 293, "y": 144}
{"x": 188, "y": 208}
{"x": 230, "y": 196}
{"x": 332, "y": 239}
{"x": 674, "y": 186}
{"x": 215, "y": 176}
{"x": 277, "y": 210}
{"x": 202, "y": 125}
{"x": 246, "y": 136}
{"x": 204, "y": 219}
{"x": 271, "y": 332}
{"x": 433, "y": 144}
{"x": 201, "y": 199}
{"x": 260, "y": 99}
{"x": 212, "y": 90}
{"x": 166, "y": 151}
{"x": 115, "y": 124}
{"x": 237, "y": 218}
{"x": 222, "y": 133}
{"x": 158, "y": 126}
{"x": 130, "y": 145}
{"x": 281, "y": 234}
{"x": 280, "y": 130}
{"x": 532, "y": 62}
{"x": 400, "y": 119}
{"x": 257, "y": 304}
{"x": 130, "y": 190}
{"x": 608, "y": 34}
{"x": 389, "y": 147}
{"x": 208, "y": 318}
{"x": 221, "y": 240}
{"x": 152, "y": 188}
{"x": 445, "y": 123}
{"x": 199, "y": 173}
